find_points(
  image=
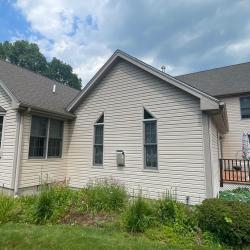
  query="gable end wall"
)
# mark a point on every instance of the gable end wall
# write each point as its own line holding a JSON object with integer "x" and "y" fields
{"x": 121, "y": 95}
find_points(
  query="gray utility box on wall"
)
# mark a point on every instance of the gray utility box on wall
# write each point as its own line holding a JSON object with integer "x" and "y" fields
{"x": 120, "y": 158}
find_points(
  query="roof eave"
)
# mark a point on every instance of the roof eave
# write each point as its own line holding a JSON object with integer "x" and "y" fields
{"x": 34, "y": 110}
{"x": 14, "y": 102}
{"x": 207, "y": 102}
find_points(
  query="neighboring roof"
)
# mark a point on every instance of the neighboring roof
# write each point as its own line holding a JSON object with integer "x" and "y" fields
{"x": 34, "y": 90}
{"x": 207, "y": 101}
{"x": 2, "y": 109}
{"x": 229, "y": 80}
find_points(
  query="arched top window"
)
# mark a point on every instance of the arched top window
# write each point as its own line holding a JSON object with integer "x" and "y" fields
{"x": 150, "y": 141}
{"x": 98, "y": 141}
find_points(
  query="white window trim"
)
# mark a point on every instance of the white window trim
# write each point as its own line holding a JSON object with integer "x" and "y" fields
{"x": 243, "y": 96}
{"x": 46, "y": 157}
{"x": 3, "y": 114}
{"x": 145, "y": 168}
{"x": 96, "y": 165}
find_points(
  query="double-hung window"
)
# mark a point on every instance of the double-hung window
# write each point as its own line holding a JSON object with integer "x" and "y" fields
{"x": 150, "y": 141}
{"x": 98, "y": 141}
{"x": 1, "y": 130}
{"x": 245, "y": 107}
{"x": 46, "y": 137}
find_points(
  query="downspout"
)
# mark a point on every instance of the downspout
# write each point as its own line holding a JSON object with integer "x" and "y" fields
{"x": 19, "y": 148}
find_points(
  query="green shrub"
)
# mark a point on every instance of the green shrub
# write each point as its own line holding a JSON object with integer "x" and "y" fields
{"x": 104, "y": 196}
{"x": 139, "y": 215}
{"x": 8, "y": 209}
{"x": 238, "y": 194}
{"x": 227, "y": 220}
{"x": 28, "y": 207}
{"x": 180, "y": 216}
{"x": 44, "y": 207}
{"x": 167, "y": 210}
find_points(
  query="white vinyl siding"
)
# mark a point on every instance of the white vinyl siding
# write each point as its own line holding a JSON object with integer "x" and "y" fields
{"x": 214, "y": 145}
{"x": 122, "y": 94}
{"x": 33, "y": 171}
{"x": 232, "y": 141}
{"x": 7, "y": 150}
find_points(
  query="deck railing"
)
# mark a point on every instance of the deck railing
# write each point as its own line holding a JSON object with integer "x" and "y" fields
{"x": 234, "y": 171}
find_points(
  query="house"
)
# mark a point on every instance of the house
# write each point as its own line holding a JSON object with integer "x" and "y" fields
{"x": 133, "y": 123}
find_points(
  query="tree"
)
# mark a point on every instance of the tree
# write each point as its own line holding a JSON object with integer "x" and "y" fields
{"x": 28, "y": 55}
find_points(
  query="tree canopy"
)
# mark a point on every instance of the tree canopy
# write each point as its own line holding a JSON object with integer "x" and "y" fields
{"x": 28, "y": 55}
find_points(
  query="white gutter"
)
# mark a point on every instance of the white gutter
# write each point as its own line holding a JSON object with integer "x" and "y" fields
{"x": 18, "y": 158}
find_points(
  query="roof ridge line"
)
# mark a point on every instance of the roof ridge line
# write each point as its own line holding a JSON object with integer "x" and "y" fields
{"x": 202, "y": 71}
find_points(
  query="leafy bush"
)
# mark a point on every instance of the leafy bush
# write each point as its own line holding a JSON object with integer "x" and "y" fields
{"x": 8, "y": 209}
{"x": 167, "y": 210}
{"x": 104, "y": 196}
{"x": 227, "y": 220}
{"x": 238, "y": 194}
{"x": 44, "y": 207}
{"x": 139, "y": 215}
{"x": 180, "y": 216}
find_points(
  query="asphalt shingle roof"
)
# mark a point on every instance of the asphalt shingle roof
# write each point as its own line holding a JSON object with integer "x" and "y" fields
{"x": 229, "y": 80}
{"x": 34, "y": 90}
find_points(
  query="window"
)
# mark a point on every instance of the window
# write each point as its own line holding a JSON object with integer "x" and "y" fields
{"x": 55, "y": 138}
{"x": 245, "y": 107}
{"x": 38, "y": 136}
{"x": 41, "y": 129}
{"x": 1, "y": 130}
{"x": 98, "y": 141}
{"x": 150, "y": 141}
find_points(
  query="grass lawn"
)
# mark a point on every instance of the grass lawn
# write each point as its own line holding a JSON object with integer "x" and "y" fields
{"x": 20, "y": 236}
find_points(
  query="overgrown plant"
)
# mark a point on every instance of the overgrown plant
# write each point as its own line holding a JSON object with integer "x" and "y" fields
{"x": 167, "y": 210}
{"x": 104, "y": 196}
{"x": 139, "y": 215}
{"x": 8, "y": 208}
{"x": 227, "y": 220}
{"x": 44, "y": 207}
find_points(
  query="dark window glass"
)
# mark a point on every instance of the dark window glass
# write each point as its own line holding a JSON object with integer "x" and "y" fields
{"x": 38, "y": 136}
{"x": 55, "y": 138}
{"x": 101, "y": 119}
{"x": 1, "y": 129}
{"x": 98, "y": 141}
{"x": 245, "y": 107}
{"x": 150, "y": 141}
{"x": 147, "y": 115}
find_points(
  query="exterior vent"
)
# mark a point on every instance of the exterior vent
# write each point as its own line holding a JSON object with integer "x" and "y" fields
{"x": 54, "y": 89}
{"x": 120, "y": 158}
{"x": 163, "y": 68}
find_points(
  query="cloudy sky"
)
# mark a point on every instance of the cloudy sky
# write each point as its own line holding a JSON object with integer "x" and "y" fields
{"x": 184, "y": 35}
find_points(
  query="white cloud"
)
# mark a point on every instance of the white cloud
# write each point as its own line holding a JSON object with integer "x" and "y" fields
{"x": 182, "y": 35}
{"x": 241, "y": 48}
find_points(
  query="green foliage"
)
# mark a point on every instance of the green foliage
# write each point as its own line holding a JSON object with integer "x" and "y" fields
{"x": 44, "y": 207}
{"x": 238, "y": 194}
{"x": 139, "y": 215}
{"x": 181, "y": 217}
{"x": 28, "y": 55}
{"x": 190, "y": 240}
{"x": 8, "y": 209}
{"x": 227, "y": 220}
{"x": 58, "y": 237}
{"x": 103, "y": 196}
{"x": 167, "y": 210}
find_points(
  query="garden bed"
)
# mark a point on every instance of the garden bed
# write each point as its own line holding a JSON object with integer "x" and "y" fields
{"x": 106, "y": 207}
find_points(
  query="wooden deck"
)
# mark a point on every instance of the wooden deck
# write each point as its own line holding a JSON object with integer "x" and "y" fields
{"x": 234, "y": 171}
{"x": 239, "y": 177}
